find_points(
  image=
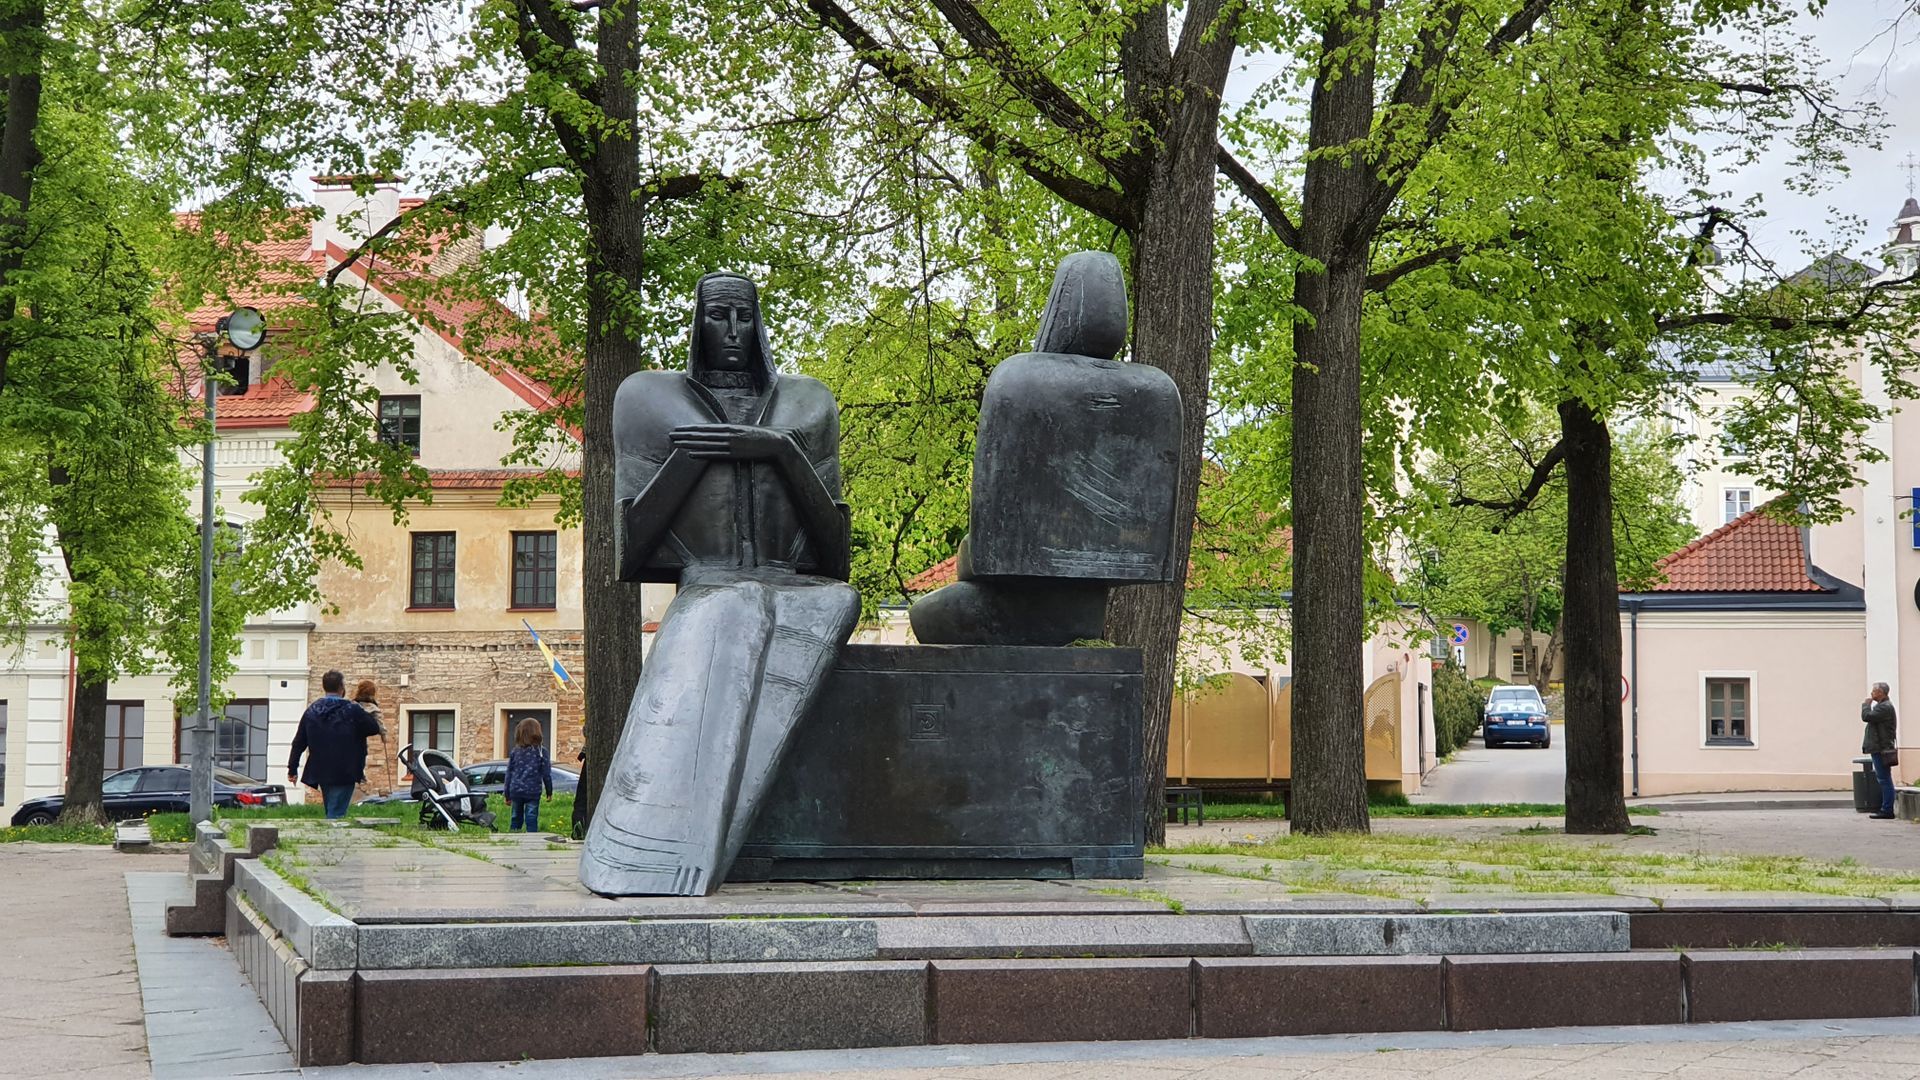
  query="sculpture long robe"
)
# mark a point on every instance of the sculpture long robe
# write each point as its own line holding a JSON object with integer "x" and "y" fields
{"x": 743, "y": 649}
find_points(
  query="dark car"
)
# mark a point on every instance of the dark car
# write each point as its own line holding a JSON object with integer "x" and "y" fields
{"x": 156, "y": 789}
{"x": 489, "y": 778}
{"x": 1515, "y": 714}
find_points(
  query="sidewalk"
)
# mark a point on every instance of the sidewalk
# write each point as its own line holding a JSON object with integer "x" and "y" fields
{"x": 72, "y": 1002}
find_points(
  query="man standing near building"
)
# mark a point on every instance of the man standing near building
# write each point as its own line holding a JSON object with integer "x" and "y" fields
{"x": 333, "y": 734}
{"x": 1877, "y": 713}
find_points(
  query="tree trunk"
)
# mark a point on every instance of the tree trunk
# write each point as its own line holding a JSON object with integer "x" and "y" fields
{"x": 1549, "y": 659}
{"x": 86, "y": 755}
{"x": 1329, "y": 548}
{"x": 1173, "y": 331}
{"x": 1590, "y": 621}
{"x": 613, "y": 611}
{"x": 21, "y": 36}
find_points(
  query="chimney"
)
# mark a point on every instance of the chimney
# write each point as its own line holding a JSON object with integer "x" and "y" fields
{"x": 346, "y": 217}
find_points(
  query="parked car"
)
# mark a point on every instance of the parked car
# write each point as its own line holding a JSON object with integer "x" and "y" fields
{"x": 1515, "y": 714}
{"x": 487, "y": 778}
{"x": 156, "y": 789}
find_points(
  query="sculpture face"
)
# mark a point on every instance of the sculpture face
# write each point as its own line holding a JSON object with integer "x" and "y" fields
{"x": 729, "y": 336}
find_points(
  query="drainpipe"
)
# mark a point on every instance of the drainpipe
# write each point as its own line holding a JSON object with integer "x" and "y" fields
{"x": 1633, "y": 689}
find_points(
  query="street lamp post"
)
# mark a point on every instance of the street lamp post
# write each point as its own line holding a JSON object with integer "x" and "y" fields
{"x": 245, "y": 330}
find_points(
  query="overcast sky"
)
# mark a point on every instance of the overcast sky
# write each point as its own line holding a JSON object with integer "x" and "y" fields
{"x": 1874, "y": 54}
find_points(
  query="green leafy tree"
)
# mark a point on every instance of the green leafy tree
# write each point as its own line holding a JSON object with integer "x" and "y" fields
{"x": 1497, "y": 535}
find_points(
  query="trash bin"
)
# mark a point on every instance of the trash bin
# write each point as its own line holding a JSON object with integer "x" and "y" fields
{"x": 1866, "y": 787}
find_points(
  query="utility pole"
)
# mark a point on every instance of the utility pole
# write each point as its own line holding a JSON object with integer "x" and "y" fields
{"x": 245, "y": 330}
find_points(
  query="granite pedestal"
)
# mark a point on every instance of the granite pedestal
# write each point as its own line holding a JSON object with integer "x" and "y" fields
{"x": 957, "y": 761}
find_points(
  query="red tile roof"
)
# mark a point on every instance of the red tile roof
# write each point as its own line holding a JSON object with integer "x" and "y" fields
{"x": 1751, "y": 553}
{"x": 944, "y": 572}
{"x": 271, "y": 404}
{"x": 484, "y": 331}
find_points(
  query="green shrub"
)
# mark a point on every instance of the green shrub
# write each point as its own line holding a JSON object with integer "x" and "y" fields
{"x": 1457, "y": 705}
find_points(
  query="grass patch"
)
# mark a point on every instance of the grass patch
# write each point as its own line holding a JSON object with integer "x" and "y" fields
{"x": 1233, "y": 811}
{"x": 1410, "y": 867}
{"x": 57, "y": 834}
{"x": 1149, "y": 895}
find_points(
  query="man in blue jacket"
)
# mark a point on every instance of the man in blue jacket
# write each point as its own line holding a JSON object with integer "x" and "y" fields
{"x": 333, "y": 734}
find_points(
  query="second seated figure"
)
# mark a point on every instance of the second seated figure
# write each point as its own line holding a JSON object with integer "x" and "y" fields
{"x": 727, "y": 482}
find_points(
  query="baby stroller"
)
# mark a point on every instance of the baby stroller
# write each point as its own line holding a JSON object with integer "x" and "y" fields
{"x": 445, "y": 801}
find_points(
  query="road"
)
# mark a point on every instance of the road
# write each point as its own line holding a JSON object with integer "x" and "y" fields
{"x": 1505, "y": 774}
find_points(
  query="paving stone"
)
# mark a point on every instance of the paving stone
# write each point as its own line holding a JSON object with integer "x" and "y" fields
{"x": 1247, "y": 997}
{"x": 1438, "y": 935}
{"x": 323, "y": 939}
{"x": 326, "y": 1000}
{"x": 740, "y": 940}
{"x": 1723, "y": 986}
{"x": 1001, "y": 1001}
{"x": 500, "y": 1014}
{"x": 1563, "y": 990}
{"x": 961, "y": 936}
{"x": 520, "y": 944}
{"x": 1740, "y": 929}
{"x": 737, "y": 1008}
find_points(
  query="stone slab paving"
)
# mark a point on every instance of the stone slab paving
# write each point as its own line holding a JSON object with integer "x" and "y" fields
{"x": 69, "y": 993}
{"x": 203, "y": 1019}
{"x": 1824, "y": 833}
{"x": 1806, "y": 1050}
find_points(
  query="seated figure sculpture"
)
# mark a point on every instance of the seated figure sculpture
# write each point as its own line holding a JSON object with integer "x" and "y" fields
{"x": 1074, "y": 470}
{"x": 727, "y": 480}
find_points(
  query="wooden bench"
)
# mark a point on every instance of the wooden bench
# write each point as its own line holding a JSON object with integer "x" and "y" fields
{"x": 1183, "y": 799}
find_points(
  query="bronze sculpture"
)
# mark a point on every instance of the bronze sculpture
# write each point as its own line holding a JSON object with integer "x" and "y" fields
{"x": 727, "y": 480}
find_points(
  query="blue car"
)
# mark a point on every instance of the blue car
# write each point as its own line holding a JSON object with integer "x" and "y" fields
{"x": 1515, "y": 714}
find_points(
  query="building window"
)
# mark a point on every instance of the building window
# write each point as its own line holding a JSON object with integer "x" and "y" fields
{"x": 400, "y": 422}
{"x": 431, "y": 729}
{"x": 126, "y": 735}
{"x": 534, "y": 565}
{"x": 1520, "y": 667}
{"x": 1729, "y": 712}
{"x": 433, "y": 570}
{"x": 239, "y": 737}
{"x": 1734, "y": 502}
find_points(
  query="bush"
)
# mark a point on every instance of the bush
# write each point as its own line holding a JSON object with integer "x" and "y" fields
{"x": 1457, "y": 705}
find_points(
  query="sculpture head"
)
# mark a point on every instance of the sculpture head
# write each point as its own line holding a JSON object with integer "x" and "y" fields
{"x": 1086, "y": 308}
{"x": 728, "y": 332}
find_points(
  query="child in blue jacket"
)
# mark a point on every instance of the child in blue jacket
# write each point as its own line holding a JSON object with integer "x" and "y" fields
{"x": 529, "y": 770}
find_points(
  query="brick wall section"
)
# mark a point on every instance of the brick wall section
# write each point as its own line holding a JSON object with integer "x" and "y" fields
{"x": 476, "y": 670}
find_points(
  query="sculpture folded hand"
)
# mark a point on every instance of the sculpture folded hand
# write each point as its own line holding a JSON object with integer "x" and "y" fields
{"x": 727, "y": 481}
{"x": 1074, "y": 471}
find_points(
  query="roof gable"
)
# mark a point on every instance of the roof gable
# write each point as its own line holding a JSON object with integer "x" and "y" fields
{"x": 1753, "y": 553}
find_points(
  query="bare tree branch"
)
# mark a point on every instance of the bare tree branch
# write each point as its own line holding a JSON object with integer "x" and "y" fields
{"x": 1048, "y": 97}
{"x": 377, "y": 239}
{"x": 1259, "y": 195}
{"x": 1100, "y": 200}
{"x": 1447, "y": 253}
{"x": 1509, "y": 509}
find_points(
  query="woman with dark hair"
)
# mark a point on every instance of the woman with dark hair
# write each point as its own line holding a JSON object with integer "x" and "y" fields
{"x": 363, "y": 696}
{"x": 529, "y": 770}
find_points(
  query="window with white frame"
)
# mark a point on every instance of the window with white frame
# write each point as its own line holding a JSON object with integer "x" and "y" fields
{"x": 1734, "y": 501}
{"x": 1729, "y": 711}
{"x": 1522, "y": 663}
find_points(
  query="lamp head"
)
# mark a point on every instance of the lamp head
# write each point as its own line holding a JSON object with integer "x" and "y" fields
{"x": 245, "y": 328}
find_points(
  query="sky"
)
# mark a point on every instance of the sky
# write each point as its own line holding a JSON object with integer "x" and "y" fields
{"x": 1872, "y": 53}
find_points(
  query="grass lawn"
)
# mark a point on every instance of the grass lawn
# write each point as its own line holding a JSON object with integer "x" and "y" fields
{"x": 556, "y": 815}
{"x": 1227, "y": 811}
{"x": 1411, "y": 867}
